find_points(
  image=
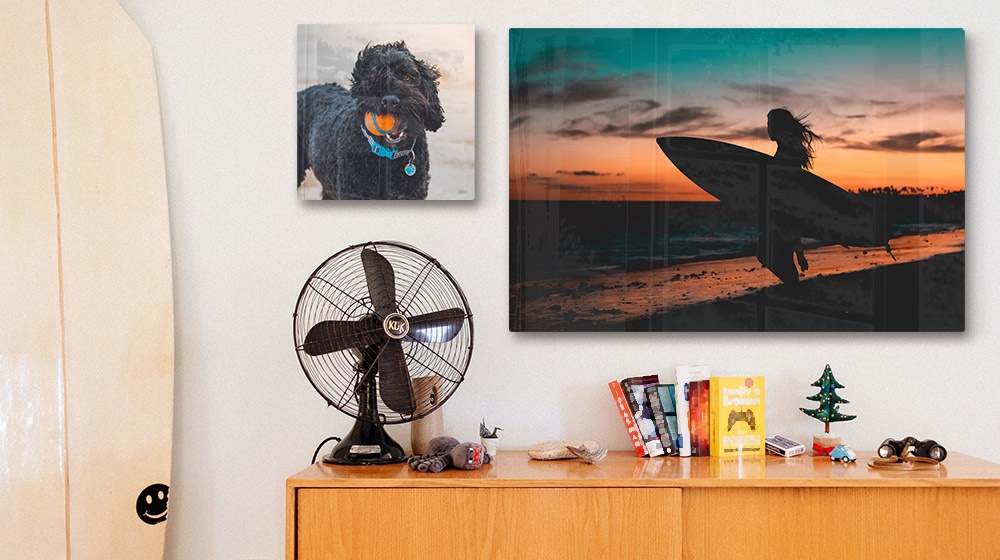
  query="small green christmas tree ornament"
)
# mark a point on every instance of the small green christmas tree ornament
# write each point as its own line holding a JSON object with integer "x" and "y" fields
{"x": 827, "y": 411}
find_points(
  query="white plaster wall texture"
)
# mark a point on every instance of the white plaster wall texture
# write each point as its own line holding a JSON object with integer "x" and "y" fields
{"x": 245, "y": 415}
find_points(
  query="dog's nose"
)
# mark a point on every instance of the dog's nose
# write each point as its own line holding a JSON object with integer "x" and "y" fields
{"x": 390, "y": 103}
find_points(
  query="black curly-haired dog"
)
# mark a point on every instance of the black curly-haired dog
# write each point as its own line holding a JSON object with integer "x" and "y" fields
{"x": 347, "y": 159}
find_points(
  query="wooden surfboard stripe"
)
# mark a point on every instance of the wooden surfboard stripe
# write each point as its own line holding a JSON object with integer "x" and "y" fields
{"x": 32, "y": 446}
{"x": 64, "y": 456}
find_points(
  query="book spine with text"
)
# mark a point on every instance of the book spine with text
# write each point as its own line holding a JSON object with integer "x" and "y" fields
{"x": 686, "y": 375}
{"x": 635, "y": 392}
{"x": 659, "y": 418}
{"x": 699, "y": 413}
{"x": 627, "y": 418}
{"x": 669, "y": 404}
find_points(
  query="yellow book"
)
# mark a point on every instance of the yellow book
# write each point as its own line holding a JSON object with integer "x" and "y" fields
{"x": 736, "y": 415}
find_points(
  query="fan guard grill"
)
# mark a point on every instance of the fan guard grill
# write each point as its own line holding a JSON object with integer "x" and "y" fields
{"x": 338, "y": 291}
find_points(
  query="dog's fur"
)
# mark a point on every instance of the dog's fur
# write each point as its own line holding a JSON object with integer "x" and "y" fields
{"x": 386, "y": 79}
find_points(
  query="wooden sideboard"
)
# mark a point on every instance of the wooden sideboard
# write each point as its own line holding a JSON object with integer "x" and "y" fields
{"x": 665, "y": 508}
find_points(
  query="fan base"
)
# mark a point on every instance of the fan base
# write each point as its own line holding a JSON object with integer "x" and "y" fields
{"x": 364, "y": 459}
{"x": 367, "y": 444}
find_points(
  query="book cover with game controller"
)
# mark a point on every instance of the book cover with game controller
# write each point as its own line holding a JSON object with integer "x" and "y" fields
{"x": 737, "y": 415}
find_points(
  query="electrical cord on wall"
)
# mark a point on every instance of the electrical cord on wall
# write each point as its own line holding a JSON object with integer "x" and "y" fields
{"x": 316, "y": 454}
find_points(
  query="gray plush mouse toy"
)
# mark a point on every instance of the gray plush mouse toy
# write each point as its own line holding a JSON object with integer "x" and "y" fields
{"x": 444, "y": 452}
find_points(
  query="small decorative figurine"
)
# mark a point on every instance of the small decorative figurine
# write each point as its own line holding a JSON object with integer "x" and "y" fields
{"x": 844, "y": 454}
{"x": 827, "y": 411}
{"x": 489, "y": 439}
{"x": 485, "y": 432}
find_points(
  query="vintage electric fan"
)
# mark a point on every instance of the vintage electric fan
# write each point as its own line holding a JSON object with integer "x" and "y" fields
{"x": 384, "y": 333}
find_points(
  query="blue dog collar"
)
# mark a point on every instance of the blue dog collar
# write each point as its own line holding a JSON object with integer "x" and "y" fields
{"x": 382, "y": 151}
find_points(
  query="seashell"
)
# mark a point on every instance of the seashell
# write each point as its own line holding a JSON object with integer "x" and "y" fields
{"x": 556, "y": 449}
{"x": 588, "y": 455}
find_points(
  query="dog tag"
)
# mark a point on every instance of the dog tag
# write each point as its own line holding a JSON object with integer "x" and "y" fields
{"x": 410, "y": 169}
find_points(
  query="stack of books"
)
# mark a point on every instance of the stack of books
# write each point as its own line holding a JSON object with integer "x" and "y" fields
{"x": 697, "y": 415}
{"x": 648, "y": 429}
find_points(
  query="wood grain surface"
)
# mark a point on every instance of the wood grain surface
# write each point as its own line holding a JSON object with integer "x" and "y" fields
{"x": 621, "y": 468}
{"x": 627, "y": 507}
{"x": 488, "y": 523}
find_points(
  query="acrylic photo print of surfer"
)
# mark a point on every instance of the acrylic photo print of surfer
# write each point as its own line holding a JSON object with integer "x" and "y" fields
{"x": 737, "y": 180}
{"x": 386, "y": 112}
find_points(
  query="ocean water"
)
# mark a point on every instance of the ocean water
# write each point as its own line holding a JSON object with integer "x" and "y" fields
{"x": 565, "y": 239}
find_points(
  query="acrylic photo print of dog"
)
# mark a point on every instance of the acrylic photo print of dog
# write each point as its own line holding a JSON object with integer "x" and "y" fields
{"x": 386, "y": 112}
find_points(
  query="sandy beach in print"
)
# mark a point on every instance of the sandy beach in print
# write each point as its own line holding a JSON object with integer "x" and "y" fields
{"x": 621, "y": 299}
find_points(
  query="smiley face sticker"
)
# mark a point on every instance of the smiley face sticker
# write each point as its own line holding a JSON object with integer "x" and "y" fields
{"x": 151, "y": 505}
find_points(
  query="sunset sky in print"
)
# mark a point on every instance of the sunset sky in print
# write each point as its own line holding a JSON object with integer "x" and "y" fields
{"x": 586, "y": 105}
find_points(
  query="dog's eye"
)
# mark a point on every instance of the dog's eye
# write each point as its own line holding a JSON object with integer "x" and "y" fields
{"x": 407, "y": 77}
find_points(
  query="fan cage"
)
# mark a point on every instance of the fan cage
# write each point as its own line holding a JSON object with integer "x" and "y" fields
{"x": 338, "y": 291}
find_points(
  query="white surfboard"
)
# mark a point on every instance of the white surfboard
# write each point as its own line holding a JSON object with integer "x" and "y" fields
{"x": 86, "y": 340}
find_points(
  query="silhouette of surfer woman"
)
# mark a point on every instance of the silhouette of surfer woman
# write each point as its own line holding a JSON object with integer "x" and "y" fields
{"x": 795, "y": 148}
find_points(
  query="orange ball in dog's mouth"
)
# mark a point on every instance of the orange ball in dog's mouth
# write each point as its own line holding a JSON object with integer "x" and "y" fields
{"x": 379, "y": 125}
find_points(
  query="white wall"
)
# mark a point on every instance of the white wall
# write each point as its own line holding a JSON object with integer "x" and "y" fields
{"x": 246, "y": 417}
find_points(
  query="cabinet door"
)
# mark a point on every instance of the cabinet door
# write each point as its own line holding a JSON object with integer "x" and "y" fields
{"x": 885, "y": 523}
{"x": 486, "y": 523}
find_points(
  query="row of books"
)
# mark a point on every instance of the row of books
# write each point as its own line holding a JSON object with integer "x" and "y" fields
{"x": 696, "y": 415}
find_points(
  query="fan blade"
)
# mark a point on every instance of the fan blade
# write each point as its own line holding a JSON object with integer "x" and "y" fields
{"x": 333, "y": 336}
{"x": 439, "y": 326}
{"x": 394, "y": 384}
{"x": 381, "y": 281}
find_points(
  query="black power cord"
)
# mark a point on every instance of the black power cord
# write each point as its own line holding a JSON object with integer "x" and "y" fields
{"x": 316, "y": 454}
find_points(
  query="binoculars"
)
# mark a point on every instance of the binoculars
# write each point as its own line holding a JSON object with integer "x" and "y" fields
{"x": 926, "y": 448}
